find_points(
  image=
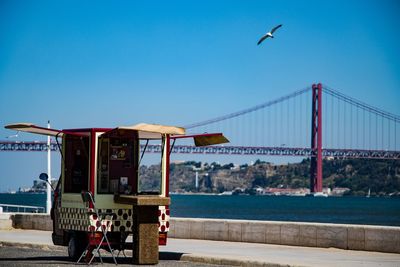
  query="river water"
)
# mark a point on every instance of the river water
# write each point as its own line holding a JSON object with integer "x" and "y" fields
{"x": 352, "y": 210}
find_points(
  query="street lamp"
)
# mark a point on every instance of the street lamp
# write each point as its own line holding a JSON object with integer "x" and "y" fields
{"x": 48, "y": 200}
{"x": 44, "y": 177}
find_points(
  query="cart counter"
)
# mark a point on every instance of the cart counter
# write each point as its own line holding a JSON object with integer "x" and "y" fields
{"x": 144, "y": 225}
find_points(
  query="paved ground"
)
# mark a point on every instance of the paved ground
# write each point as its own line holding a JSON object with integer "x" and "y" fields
{"x": 222, "y": 253}
{"x": 39, "y": 256}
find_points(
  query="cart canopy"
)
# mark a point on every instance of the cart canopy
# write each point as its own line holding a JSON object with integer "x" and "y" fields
{"x": 151, "y": 131}
{"x": 156, "y": 131}
{"x": 31, "y": 128}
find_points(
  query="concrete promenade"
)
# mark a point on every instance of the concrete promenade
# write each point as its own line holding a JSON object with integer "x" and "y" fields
{"x": 232, "y": 253}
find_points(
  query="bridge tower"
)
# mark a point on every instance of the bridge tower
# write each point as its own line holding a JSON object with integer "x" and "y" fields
{"x": 316, "y": 140}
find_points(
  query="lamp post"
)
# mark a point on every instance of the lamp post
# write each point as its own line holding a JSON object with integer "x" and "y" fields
{"x": 48, "y": 200}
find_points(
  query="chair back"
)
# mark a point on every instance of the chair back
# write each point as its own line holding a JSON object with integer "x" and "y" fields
{"x": 87, "y": 199}
{"x": 97, "y": 223}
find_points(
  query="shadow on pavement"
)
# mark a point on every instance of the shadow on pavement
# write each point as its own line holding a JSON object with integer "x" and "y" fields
{"x": 170, "y": 256}
{"x": 15, "y": 258}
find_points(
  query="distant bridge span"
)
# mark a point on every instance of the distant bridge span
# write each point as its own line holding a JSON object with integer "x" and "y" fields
{"x": 228, "y": 150}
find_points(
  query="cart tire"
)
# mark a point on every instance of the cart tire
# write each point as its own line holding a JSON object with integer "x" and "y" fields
{"x": 75, "y": 247}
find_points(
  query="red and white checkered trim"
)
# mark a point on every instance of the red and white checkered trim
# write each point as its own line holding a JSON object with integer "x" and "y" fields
{"x": 95, "y": 224}
{"x": 163, "y": 219}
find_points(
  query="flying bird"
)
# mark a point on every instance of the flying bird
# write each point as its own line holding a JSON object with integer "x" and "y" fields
{"x": 269, "y": 34}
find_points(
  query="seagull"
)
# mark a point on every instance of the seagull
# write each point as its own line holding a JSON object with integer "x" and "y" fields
{"x": 269, "y": 34}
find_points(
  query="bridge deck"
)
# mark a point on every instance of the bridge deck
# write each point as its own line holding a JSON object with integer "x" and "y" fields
{"x": 230, "y": 150}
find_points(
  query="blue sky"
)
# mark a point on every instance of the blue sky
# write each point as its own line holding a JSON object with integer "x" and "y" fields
{"x": 108, "y": 63}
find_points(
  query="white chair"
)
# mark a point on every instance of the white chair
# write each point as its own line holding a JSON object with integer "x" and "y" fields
{"x": 99, "y": 225}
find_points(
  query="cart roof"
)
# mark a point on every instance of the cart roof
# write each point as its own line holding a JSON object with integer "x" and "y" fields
{"x": 153, "y": 131}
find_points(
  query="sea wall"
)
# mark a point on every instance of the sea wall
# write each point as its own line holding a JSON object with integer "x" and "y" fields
{"x": 9, "y": 221}
{"x": 5, "y": 221}
{"x": 343, "y": 236}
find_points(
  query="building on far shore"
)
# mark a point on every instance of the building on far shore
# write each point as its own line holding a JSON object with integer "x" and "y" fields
{"x": 38, "y": 187}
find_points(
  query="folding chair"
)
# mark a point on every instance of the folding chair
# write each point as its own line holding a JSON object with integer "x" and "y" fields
{"x": 97, "y": 230}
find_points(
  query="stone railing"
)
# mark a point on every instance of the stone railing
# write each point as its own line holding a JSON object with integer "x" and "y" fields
{"x": 32, "y": 221}
{"x": 343, "y": 236}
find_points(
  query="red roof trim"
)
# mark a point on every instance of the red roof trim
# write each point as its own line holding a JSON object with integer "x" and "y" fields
{"x": 194, "y": 135}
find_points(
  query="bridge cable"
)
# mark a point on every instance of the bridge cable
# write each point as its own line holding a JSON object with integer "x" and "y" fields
{"x": 351, "y": 125}
{"x": 344, "y": 125}
{"x": 376, "y": 131}
{"x": 357, "y": 125}
{"x": 248, "y": 110}
{"x": 338, "y": 123}
{"x": 361, "y": 104}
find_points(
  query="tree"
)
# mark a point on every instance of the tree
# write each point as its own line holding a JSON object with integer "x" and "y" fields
{"x": 259, "y": 180}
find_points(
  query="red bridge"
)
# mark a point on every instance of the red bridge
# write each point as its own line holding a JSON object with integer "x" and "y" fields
{"x": 339, "y": 126}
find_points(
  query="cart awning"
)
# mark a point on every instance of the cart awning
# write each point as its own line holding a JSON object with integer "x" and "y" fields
{"x": 149, "y": 131}
{"x": 31, "y": 128}
{"x": 206, "y": 139}
{"x": 155, "y": 131}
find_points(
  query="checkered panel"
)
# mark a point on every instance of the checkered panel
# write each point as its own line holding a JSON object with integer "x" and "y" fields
{"x": 163, "y": 219}
{"x": 74, "y": 219}
{"x": 96, "y": 224}
{"x": 77, "y": 219}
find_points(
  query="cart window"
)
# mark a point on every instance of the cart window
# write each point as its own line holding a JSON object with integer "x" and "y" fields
{"x": 150, "y": 168}
{"x": 76, "y": 164}
{"x": 117, "y": 163}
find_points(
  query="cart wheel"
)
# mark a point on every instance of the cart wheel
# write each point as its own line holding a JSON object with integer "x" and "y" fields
{"x": 75, "y": 247}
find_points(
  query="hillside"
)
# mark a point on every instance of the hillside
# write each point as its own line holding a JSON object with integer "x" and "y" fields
{"x": 382, "y": 177}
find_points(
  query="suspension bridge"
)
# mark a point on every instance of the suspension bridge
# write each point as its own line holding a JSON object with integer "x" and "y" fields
{"x": 317, "y": 122}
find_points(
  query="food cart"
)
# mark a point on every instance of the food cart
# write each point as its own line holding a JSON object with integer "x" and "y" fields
{"x": 105, "y": 162}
